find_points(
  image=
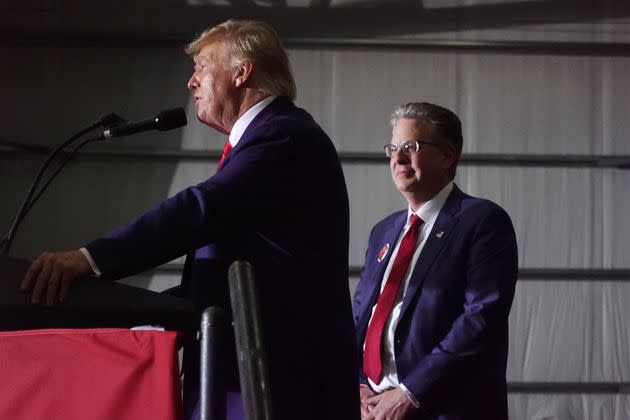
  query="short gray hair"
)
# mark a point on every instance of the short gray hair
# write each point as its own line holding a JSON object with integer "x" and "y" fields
{"x": 446, "y": 123}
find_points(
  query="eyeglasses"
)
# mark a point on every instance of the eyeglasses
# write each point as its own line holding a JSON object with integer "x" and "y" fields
{"x": 408, "y": 147}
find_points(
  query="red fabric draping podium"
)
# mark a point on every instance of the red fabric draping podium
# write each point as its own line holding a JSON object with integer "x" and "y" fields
{"x": 96, "y": 374}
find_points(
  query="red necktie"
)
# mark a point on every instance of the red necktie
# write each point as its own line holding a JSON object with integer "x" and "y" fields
{"x": 372, "y": 363}
{"x": 226, "y": 150}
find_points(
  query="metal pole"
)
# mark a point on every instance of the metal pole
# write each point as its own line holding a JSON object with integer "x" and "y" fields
{"x": 249, "y": 342}
{"x": 212, "y": 321}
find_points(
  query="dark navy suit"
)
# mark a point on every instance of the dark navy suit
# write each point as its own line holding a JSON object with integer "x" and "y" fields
{"x": 451, "y": 341}
{"x": 279, "y": 200}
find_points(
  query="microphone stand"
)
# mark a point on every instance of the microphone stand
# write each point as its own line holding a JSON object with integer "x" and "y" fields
{"x": 27, "y": 204}
{"x": 67, "y": 159}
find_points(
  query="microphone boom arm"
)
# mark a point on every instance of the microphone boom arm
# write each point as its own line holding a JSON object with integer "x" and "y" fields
{"x": 5, "y": 246}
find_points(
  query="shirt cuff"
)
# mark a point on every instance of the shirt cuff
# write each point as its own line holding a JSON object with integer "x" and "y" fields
{"x": 413, "y": 399}
{"x": 90, "y": 261}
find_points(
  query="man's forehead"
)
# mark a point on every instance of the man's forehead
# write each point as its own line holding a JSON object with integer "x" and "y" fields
{"x": 203, "y": 55}
{"x": 209, "y": 51}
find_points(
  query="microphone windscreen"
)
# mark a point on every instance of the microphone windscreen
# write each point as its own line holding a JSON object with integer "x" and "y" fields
{"x": 170, "y": 119}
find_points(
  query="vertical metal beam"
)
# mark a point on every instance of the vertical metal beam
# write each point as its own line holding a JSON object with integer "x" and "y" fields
{"x": 249, "y": 342}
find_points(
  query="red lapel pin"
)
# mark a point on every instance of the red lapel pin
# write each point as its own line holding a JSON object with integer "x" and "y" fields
{"x": 383, "y": 252}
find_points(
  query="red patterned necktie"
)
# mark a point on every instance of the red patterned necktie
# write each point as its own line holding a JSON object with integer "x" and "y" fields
{"x": 226, "y": 150}
{"x": 372, "y": 362}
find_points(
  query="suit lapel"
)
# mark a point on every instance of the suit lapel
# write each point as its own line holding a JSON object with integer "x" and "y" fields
{"x": 442, "y": 229}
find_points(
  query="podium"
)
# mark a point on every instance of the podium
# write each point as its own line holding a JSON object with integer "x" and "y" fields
{"x": 91, "y": 303}
{"x": 78, "y": 359}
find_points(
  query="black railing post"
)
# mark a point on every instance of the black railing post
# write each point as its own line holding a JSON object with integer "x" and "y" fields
{"x": 211, "y": 392}
{"x": 249, "y": 343}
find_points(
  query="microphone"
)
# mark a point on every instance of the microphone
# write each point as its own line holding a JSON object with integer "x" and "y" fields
{"x": 163, "y": 121}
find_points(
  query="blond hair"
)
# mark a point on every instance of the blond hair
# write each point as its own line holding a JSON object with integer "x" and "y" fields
{"x": 257, "y": 42}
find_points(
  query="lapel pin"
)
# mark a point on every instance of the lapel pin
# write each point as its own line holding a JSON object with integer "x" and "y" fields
{"x": 383, "y": 252}
{"x": 439, "y": 234}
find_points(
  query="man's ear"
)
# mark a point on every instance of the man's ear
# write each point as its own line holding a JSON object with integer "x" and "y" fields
{"x": 449, "y": 156}
{"x": 243, "y": 73}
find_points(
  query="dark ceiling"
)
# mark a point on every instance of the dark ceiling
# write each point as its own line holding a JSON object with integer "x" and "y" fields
{"x": 179, "y": 20}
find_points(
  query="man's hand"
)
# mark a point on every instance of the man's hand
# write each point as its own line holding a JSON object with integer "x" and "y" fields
{"x": 390, "y": 405}
{"x": 365, "y": 394}
{"x": 52, "y": 273}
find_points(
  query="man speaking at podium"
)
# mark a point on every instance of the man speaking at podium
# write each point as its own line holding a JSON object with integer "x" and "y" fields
{"x": 278, "y": 200}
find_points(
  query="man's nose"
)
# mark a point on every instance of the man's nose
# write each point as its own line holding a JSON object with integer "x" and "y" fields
{"x": 192, "y": 82}
{"x": 400, "y": 156}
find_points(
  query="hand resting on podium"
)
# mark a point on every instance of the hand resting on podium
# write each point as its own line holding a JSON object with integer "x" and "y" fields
{"x": 52, "y": 274}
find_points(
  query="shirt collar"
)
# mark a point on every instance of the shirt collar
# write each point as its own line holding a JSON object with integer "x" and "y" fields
{"x": 243, "y": 122}
{"x": 430, "y": 210}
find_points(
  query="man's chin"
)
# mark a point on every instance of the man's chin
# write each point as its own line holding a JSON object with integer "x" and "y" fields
{"x": 202, "y": 119}
{"x": 404, "y": 183}
{"x": 407, "y": 187}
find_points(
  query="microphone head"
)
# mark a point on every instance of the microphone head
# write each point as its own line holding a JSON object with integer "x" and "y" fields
{"x": 170, "y": 119}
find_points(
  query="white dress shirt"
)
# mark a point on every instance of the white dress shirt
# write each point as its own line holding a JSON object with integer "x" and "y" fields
{"x": 235, "y": 135}
{"x": 428, "y": 213}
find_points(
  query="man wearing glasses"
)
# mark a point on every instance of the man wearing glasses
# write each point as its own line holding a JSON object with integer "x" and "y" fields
{"x": 431, "y": 309}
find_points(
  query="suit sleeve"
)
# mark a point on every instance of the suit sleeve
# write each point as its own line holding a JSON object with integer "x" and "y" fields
{"x": 491, "y": 273}
{"x": 358, "y": 302}
{"x": 247, "y": 191}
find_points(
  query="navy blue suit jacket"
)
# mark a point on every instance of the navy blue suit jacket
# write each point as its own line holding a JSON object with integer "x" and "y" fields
{"x": 451, "y": 342}
{"x": 279, "y": 200}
